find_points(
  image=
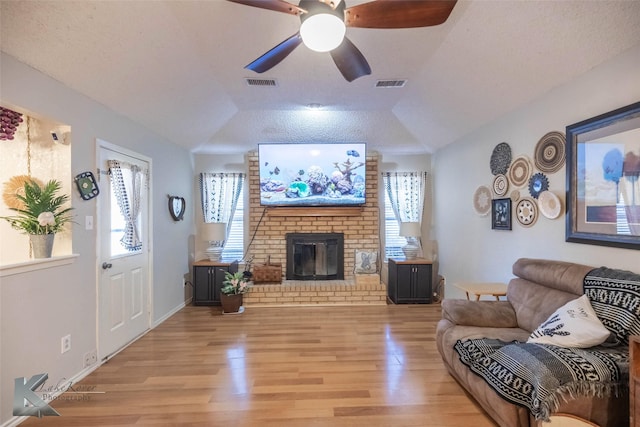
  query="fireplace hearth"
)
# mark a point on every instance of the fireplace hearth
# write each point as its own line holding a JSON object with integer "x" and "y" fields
{"x": 315, "y": 256}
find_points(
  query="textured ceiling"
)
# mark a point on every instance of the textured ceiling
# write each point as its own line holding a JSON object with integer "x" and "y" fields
{"x": 176, "y": 67}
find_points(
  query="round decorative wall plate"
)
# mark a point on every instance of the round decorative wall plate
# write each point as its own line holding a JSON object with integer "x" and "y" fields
{"x": 526, "y": 212}
{"x": 500, "y": 185}
{"x": 15, "y": 186}
{"x": 537, "y": 184}
{"x": 520, "y": 171}
{"x": 549, "y": 204}
{"x": 500, "y": 159}
{"x": 482, "y": 200}
{"x": 515, "y": 195}
{"x": 550, "y": 152}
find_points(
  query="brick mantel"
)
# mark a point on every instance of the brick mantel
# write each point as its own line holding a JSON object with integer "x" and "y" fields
{"x": 360, "y": 226}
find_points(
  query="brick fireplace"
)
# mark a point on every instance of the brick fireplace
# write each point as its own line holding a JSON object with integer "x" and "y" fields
{"x": 360, "y": 228}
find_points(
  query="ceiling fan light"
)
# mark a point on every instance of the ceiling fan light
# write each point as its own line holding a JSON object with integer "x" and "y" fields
{"x": 322, "y": 32}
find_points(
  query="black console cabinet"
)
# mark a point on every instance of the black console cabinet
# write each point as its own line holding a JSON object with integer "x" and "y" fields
{"x": 410, "y": 281}
{"x": 207, "y": 280}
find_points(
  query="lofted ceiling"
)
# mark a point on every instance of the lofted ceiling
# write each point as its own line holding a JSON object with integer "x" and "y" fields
{"x": 177, "y": 67}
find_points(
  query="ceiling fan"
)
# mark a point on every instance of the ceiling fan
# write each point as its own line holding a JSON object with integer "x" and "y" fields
{"x": 324, "y": 22}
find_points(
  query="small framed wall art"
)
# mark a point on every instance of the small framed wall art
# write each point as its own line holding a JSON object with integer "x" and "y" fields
{"x": 501, "y": 214}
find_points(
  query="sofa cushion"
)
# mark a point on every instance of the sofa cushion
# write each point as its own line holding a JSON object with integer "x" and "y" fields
{"x": 541, "y": 286}
{"x": 560, "y": 275}
{"x": 534, "y": 303}
{"x": 575, "y": 324}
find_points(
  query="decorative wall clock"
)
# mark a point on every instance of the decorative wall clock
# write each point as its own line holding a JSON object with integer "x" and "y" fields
{"x": 177, "y": 206}
{"x": 87, "y": 185}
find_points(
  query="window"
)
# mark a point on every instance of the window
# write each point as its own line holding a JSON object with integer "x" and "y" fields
{"x": 234, "y": 247}
{"x": 223, "y": 194}
{"x": 123, "y": 191}
{"x": 393, "y": 242}
{"x": 404, "y": 197}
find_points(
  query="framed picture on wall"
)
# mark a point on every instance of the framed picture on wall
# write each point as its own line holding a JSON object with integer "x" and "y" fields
{"x": 501, "y": 214}
{"x": 603, "y": 185}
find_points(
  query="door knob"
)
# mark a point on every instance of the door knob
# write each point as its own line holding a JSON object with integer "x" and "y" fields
{"x": 106, "y": 265}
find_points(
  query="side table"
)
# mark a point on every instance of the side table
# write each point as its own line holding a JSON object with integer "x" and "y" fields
{"x": 207, "y": 280}
{"x": 494, "y": 289}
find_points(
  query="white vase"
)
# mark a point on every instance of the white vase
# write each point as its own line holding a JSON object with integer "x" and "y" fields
{"x": 42, "y": 245}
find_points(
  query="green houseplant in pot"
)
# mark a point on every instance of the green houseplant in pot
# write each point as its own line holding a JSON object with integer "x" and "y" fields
{"x": 40, "y": 214}
{"x": 234, "y": 286}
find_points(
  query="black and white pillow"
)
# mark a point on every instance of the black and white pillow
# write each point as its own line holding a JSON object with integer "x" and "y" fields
{"x": 575, "y": 324}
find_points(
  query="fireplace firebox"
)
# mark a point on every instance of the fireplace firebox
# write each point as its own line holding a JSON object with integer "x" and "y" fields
{"x": 315, "y": 256}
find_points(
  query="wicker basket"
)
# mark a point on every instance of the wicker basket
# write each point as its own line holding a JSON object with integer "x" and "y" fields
{"x": 267, "y": 273}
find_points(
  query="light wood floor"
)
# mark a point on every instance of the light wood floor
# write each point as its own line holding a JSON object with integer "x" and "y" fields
{"x": 295, "y": 366}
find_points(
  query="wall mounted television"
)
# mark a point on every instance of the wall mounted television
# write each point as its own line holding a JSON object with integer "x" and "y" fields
{"x": 305, "y": 174}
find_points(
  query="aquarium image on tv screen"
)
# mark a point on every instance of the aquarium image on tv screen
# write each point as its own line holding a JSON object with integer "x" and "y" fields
{"x": 312, "y": 174}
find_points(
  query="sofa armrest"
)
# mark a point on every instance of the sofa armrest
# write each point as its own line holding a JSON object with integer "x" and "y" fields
{"x": 495, "y": 314}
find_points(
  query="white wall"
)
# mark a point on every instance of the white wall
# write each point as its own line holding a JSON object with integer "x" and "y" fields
{"x": 469, "y": 249}
{"x": 40, "y": 307}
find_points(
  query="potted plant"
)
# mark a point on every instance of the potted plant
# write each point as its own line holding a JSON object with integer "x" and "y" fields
{"x": 234, "y": 286}
{"x": 40, "y": 214}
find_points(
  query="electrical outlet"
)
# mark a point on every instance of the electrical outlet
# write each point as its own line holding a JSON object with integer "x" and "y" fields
{"x": 90, "y": 358}
{"x": 65, "y": 344}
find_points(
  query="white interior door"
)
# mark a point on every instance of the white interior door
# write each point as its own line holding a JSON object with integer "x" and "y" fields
{"x": 123, "y": 294}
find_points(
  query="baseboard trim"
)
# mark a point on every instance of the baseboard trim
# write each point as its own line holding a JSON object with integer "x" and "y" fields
{"x": 169, "y": 314}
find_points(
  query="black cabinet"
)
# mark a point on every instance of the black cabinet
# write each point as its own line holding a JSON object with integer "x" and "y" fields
{"x": 207, "y": 280}
{"x": 410, "y": 281}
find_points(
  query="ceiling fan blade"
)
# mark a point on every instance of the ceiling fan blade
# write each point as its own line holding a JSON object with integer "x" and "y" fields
{"x": 399, "y": 13}
{"x": 350, "y": 61}
{"x": 277, "y": 5}
{"x": 275, "y": 55}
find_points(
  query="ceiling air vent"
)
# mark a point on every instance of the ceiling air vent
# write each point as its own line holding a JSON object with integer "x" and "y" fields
{"x": 390, "y": 83}
{"x": 261, "y": 82}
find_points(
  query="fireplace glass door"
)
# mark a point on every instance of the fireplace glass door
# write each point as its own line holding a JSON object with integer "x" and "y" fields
{"x": 315, "y": 256}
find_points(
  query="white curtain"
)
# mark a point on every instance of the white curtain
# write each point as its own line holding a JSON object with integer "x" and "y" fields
{"x": 219, "y": 193}
{"x": 127, "y": 180}
{"x": 406, "y": 191}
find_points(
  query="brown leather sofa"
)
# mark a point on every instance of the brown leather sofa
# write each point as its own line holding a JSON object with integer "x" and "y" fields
{"x": 539, "y": 288}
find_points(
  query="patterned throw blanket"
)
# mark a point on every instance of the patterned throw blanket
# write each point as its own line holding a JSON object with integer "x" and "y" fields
{"x": 615, "y": 297}
{"x": 537, "y": 376}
